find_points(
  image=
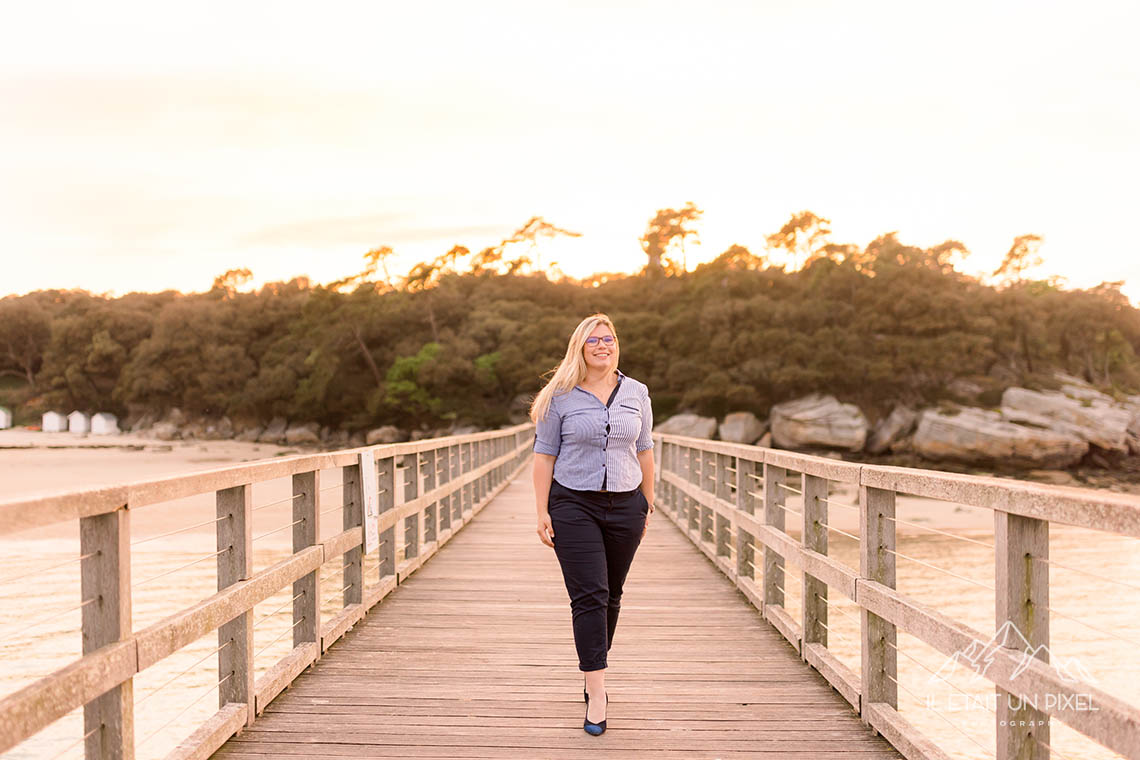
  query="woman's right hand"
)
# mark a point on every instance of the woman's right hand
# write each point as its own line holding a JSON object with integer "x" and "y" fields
{"x": 546, "y": 529}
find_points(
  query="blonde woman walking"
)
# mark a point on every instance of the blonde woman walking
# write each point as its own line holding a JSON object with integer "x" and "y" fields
{"x": 593, "y": 484}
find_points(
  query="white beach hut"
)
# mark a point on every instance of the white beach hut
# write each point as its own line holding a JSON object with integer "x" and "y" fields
{"x": 104, "y": 423}
{"x": 53, "y": 422}
{"x": 5, "y": 418}
{"x": 78, "y": 422}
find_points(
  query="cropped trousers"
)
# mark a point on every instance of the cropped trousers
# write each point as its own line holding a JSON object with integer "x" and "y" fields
{"x": 596, "y": 534}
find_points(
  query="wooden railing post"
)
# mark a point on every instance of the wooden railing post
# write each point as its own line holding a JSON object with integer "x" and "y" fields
{"x": 879, "y": 665}
{"x": 722, "y": 526}
{"x": 443, "y": 458}
{"x": 306, "y": 533}
{"x": 105, "y": 586}
{"x": 455, "y": 463}
{"x": 235, "y": 564}
{"x": 353, "y": 512}
{"x": 814, "y": 538}
{"x": 386, "y": 502}
{"x": 408, "y": 534}
{"x": 1022, "y": 610}
{"x": 774, "y": 496}
{"x": 692, "y": 506}
{"x": 470, "y": 489}
{"x": 430, "y": 520}
{"x": 748, "y": 475}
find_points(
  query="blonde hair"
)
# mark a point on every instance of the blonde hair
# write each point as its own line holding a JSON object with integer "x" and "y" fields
{"x": 572, "y": 369}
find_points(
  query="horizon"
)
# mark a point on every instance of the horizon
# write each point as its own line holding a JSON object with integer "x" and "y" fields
{"x": 136, "y": 163}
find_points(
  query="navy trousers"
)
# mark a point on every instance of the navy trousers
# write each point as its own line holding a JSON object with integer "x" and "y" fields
{"x": 596, "y": 534}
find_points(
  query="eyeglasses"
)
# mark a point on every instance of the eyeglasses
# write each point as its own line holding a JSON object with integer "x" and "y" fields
{"x": 607, "y": 339}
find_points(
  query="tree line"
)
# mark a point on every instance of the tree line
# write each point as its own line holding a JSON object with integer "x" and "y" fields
{"x": 461, "y": 338}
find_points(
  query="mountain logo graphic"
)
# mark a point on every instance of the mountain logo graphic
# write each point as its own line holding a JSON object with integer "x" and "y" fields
{"x": 978, "y": 657}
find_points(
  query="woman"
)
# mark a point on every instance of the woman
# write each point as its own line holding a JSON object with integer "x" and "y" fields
{"x": 593, "y": 483}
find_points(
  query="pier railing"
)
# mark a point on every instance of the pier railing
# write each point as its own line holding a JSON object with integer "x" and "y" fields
{"x": 731, "y": 500}
{"x": 425, "y": 492}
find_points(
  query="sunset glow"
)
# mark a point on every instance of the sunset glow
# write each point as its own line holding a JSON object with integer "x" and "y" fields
{"x": 146, "y": 148}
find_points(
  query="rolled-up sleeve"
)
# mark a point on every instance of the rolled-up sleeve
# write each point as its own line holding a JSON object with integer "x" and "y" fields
{"x": 645, "y": 439}
{"x": 548, "y": 432}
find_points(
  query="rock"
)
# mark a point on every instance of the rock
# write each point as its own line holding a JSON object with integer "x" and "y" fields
{"x": 765, "y": 441}
{"x": 421, "y": 435}
{"x": 891, "y": 428}
{"x": 519, "y": 410}
{"x": 275, "y": 432}
{"x": 165, "y": 431}
{"x": 979, "y": 435}
{"x": 307, "y": 433}
{"x": 175, "y": 417}
{"x": 464, "y": 430}
{"x": 250, "y": 434}
{"x": 964, "y": 390}
{"x": 741, "y": 427}
{"x": 817, "y": 420}
{"x": 1133, "y": 442}
{"x": 1079, "y": 411}
{"x": 142, "y": 422}
{"x": 194, "y": 430}
{"x": 385, "y": 434}
{"x": 356, "y": 441}
{"x": 218, "y": 430}
{"x": 691, "y": 425}
{"x": 337, "y": 439}
{"x": 1053, "y": 477}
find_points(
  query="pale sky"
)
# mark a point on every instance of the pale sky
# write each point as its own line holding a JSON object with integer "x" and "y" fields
{"x": 146, "y": 146}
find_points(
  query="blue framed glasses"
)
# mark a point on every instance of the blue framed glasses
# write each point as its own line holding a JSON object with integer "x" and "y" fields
{"x": 607, "y": 339}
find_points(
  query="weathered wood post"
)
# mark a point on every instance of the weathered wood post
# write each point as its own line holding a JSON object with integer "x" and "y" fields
{"x": 879, "y": 665}
{"x": 774, "y": 497}
{"x": 429, "y": 529}
{"x": 235, "y": 564}
{"x": 386, "y": 502}
{"x": 443, "y": 458}
{"x": 814, "y": 537}
{"x": 456, "y": 466}
{"x": 692, "y": 507}
{"x": 748, "y": 475}
{"x": 306, "y": 533}
{"x": 465, "y": 467}
{"x": 708, "y": 485}
{"x": 409, "y": 533}
{"x": 105, "y": 587}
{"x": 723, "y": 489}
{"x": 1022, "y": 610}
{"x": 353, "y": 517}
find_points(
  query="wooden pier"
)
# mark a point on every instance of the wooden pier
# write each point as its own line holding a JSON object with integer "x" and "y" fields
{"x": 473, "y": 658}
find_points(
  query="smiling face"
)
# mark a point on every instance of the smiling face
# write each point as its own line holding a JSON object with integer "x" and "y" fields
{"x": 601, "y": 356}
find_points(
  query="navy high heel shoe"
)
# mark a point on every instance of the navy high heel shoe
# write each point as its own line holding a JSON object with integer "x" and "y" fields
{"x": 595, "y": 729}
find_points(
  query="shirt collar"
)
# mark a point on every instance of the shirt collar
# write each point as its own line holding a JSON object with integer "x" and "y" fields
{"x": 620, "y": 375}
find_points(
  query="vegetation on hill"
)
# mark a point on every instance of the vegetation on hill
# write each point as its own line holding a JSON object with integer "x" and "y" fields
{"x": 461, "y": 337}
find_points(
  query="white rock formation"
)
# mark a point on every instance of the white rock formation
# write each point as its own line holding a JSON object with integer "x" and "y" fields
{"x": 818, "y": 421}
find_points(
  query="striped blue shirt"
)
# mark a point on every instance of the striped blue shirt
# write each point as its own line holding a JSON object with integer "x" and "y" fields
{"x": 596, "y": 443}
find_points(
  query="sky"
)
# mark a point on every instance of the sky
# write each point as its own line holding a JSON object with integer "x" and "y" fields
{"x": 146, "y": 146}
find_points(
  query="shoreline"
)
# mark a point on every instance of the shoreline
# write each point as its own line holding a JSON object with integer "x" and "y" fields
{"x": 68, "y": 462}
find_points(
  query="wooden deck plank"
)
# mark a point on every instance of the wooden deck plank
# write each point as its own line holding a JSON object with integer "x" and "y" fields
{"x": 473, "y": 657}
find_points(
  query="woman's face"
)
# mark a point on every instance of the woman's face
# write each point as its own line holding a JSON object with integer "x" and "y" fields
{"x": 600, "y": 355}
